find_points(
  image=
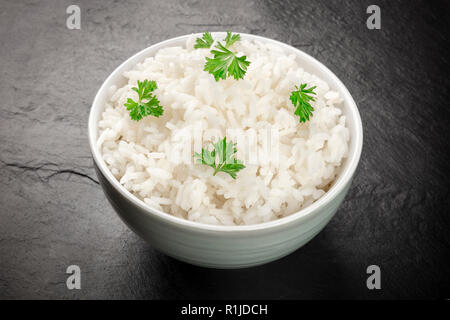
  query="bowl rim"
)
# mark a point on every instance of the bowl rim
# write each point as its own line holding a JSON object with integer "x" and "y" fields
{"x": 339, "y": 184}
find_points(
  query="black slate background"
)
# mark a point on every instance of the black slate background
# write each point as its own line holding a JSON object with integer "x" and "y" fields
{"x": 54, "y": 214}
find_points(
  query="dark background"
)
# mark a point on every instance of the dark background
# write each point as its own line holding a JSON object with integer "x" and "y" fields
{"x": 53, "y": 212}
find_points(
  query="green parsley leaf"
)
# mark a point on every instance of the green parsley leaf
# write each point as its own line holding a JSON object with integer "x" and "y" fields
{"x": 141, "y": 109}
{"x": 300, "y": 99}
{"x": 230, "y": 39}
{"x": 221, "y": 158}
{"x": 204, "y": 42}
{"x": 226, "y": 63}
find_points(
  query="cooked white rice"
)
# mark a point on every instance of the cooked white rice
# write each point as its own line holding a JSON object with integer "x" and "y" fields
{"x": 143, "y": 155}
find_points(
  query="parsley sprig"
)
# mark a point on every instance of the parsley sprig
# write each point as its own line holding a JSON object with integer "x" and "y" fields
{"x": 225, "y": 62}
{"x": 300, "y": 99}
{"x": 221, "y": 158}
{"x": 150, "y": 107}
{"x": 231, "y": 38}
{"x": 204, "y": 42}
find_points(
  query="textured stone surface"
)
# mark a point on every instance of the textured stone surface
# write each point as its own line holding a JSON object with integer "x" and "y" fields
{"x": 53, "y": 212}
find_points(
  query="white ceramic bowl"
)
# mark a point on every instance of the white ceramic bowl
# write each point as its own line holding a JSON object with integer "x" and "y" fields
{"x": 226, "y": 246}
